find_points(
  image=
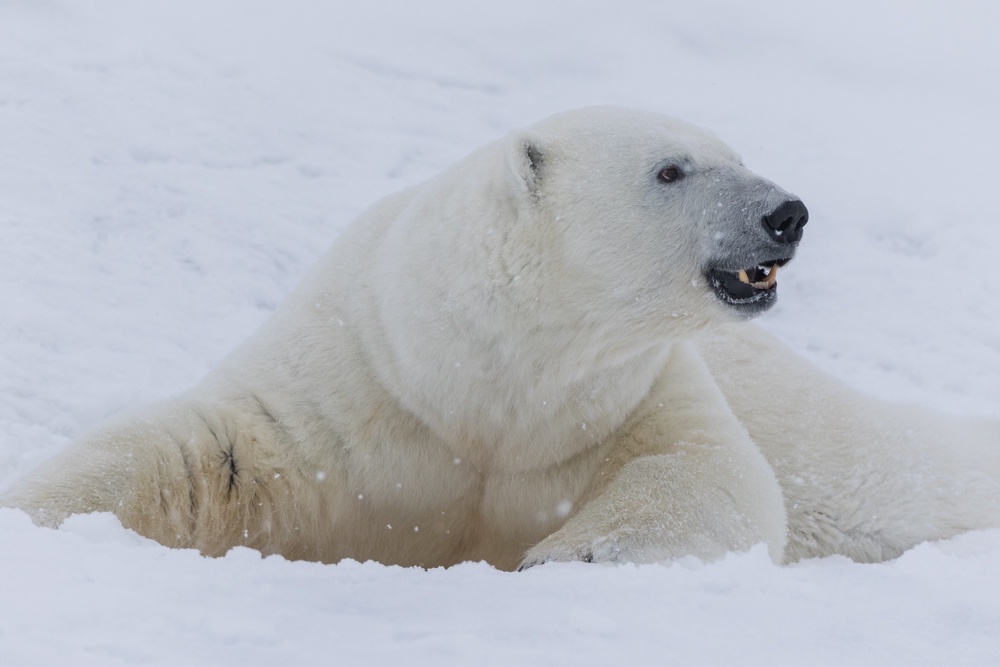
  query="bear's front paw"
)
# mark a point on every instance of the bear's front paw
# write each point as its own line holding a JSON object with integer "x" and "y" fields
{"x": 557, "y": 548}
{"x": 532, "y": 558}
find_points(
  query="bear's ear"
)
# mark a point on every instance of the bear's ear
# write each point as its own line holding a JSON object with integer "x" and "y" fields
{"x": 526, "y": 160}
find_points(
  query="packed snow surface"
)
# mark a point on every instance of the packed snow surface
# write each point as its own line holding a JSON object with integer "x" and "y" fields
{"x": 169, "y": 168}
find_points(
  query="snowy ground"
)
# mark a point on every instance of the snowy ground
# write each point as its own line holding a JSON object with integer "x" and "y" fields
{"x": 169, "y": 168}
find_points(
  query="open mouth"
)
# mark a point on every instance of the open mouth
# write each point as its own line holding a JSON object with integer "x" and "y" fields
{"x": 751, "y": 290}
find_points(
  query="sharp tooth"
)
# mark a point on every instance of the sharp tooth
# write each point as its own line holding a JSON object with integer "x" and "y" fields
{"x": 772, "y": 277}
{"x": 743, "y": 276}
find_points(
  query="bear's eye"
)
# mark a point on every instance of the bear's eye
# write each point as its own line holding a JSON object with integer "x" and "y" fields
{"x": 670, "y": 174}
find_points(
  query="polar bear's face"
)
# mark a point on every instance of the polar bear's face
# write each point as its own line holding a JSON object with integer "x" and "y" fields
{"x": 663, "y": 215}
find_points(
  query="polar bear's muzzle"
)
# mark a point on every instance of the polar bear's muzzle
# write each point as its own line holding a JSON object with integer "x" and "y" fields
{"x": 754, "y": 289}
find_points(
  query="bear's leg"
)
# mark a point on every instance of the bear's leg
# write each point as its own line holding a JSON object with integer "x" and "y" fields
{"x": 183, "y": 474}
{"x": 131, "y": 468}
{"x": 683, "y": 479}
{"x": 862, "y": 478}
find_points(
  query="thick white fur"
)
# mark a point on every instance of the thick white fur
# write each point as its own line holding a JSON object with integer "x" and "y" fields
{"x": 518, "y": 361}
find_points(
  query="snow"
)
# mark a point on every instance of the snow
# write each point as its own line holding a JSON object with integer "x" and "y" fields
{"x": 170, "y": 168}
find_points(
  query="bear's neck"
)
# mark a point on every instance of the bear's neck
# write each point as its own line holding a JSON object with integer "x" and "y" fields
{"x": 499, "y": 349}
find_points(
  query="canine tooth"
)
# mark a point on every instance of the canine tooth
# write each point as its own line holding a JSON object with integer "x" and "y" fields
{"x": 772, "y": 277}
{"x": 744, "y": 278}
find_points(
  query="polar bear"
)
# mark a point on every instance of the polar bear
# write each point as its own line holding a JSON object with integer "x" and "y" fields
{"x": 541, "y": 354}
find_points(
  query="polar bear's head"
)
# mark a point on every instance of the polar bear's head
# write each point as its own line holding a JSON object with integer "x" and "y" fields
{"x": 657, "y": 215}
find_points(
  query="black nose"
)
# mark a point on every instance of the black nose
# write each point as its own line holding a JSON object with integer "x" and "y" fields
{"x": 785, "y": 223}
